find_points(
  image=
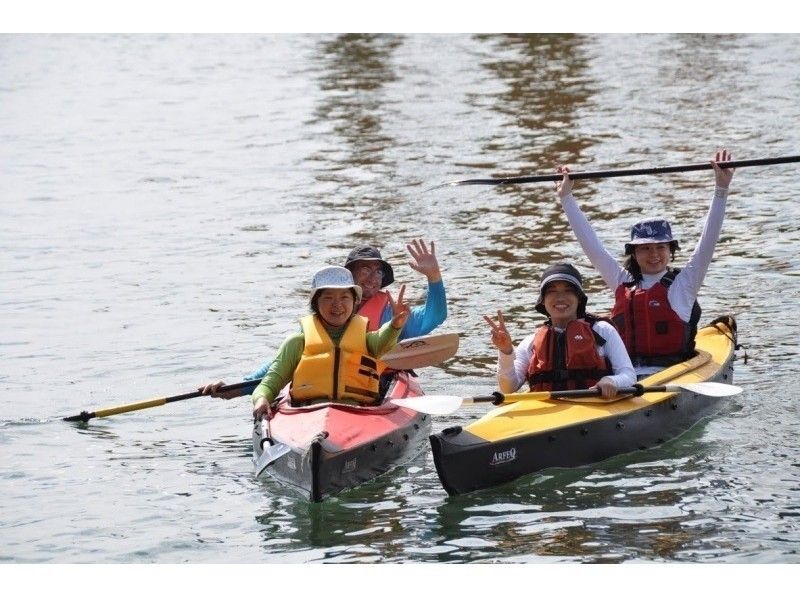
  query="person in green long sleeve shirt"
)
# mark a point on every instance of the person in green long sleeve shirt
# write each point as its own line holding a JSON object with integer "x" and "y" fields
{"x": 334, "y": 357}
{"x": 372, "y": 273}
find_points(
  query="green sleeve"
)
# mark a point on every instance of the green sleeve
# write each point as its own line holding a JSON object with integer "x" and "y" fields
{"x": 282, "y": 369}
{"x": 383, "y": 339}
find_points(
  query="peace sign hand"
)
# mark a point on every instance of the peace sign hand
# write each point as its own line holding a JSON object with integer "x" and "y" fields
{"x": 400, "y": 309}
{"x": 500, "y": 336}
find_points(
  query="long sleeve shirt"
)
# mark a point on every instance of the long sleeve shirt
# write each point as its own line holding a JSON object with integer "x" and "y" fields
{"x": 422, "y": 320}
{"x": 290, "y": 352}
{"x": 682, "y": 293}
{"x": 512, "y": 369}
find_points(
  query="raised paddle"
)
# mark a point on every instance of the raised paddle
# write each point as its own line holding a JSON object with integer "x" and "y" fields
{"x": 605, "y": 174}
{"x": 411, "y": 353}
{"x": 444, "y": 405}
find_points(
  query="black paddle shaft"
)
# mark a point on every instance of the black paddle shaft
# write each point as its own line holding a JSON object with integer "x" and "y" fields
{"x": 497, "y": 398}
{"x": 605, "y": 174}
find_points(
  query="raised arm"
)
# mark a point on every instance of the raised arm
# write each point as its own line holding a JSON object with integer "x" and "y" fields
{"x": 684, "y": 291}
{"x": 424, "y": 318}
{"x": 612, "y": 273}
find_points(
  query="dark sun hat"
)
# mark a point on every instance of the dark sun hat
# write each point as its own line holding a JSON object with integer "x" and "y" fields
{"x": 368, "y": 253}
{"x": 568, "y": 273}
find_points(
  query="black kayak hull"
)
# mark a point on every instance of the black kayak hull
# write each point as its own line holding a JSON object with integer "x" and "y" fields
{"x": 466, "y": 462}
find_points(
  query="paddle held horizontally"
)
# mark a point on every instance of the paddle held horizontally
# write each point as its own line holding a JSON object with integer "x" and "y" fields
{"x": 408, "y": 354}
{"x": 444, "y": 405}
{"x": 245, "y": 387}
{"x": 605, "y": 174}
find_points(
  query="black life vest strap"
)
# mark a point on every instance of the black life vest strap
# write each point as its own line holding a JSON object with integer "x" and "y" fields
{"x": 562, "y": 375}
{"x": 361, "y": 391}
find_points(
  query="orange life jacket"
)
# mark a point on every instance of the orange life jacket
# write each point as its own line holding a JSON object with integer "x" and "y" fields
{"x": 651, "y": 330}
{"x": 373, "y": 309}
{"x": 567, "y": 360}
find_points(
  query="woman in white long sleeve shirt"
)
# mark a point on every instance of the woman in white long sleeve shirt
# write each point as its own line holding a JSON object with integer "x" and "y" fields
{"x": 571, "y": 350}
{"x": 655, "y": 309}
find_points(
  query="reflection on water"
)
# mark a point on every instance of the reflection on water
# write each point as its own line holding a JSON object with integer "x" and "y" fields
{"x": 164, "y": 210}
{"x": 352, "y": 71}
{"x": 547, "y": 86}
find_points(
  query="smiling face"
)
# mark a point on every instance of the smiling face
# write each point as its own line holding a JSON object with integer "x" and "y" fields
{"x": 561, "y": 302}
{"x": 653, "y": 258}
{"x": 335, "y": 306}
{"x": 368, "y": 275}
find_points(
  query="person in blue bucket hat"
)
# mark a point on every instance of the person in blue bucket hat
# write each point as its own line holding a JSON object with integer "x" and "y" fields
{"x": 655, "y": 305}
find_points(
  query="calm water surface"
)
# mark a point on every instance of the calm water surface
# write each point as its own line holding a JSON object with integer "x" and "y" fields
{"x": 165, "y": 200}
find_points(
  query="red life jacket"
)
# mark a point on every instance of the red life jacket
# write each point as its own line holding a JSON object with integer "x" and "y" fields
{"x": 373, "y": 308}
{"x": 568, "y": 360}
{"x": 651, "y": 330}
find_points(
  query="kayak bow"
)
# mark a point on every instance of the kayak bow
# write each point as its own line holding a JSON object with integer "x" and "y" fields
{"x": 326, "y": 448}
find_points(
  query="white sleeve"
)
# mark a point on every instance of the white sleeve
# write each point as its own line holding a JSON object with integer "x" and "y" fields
{"x": 613, "y": 274}
{"x": 512, "y": 370}
{"x": 614, "y": 349}
{"x": 684, "y": 289}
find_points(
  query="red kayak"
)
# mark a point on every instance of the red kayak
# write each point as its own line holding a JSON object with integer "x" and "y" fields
{"x": 325, "y": 448}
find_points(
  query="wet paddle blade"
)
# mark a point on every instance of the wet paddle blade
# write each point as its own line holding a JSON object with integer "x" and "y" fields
{"x": 272, "y": 452}
{"x": 431, "y": 404}
{"x": 422, "y": 351}
{"x": 712, "y": 389}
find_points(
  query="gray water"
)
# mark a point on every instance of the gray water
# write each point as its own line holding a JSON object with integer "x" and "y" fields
{"x": 165, "y": 200}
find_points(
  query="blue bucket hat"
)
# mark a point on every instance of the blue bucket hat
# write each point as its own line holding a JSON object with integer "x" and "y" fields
{"x": 652, "y": 230}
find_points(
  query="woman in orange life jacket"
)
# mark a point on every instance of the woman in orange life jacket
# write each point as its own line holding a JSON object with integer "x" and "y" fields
{"x": 571, "y": 350}
{"x": 655, "y": 307}
{"x": 333, "y": 358}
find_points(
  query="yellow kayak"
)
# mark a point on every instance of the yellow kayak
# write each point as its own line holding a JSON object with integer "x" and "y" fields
{"x": 530, "y": 435}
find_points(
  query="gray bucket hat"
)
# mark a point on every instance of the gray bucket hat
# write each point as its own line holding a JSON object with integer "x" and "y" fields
{"x": 652, "y": 230}
{"x": 368, "y": 253}
{"x": 567, "y": 273}
{"x": 334, "y": 277}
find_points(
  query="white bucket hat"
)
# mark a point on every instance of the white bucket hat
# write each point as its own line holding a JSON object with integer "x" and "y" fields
{"x": 334, "y": 277}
